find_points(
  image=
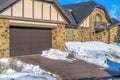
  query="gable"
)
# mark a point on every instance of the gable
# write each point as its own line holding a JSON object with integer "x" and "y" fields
{"x": 86, "y": 23}
{"x": 102, "y": 13}
{"x": 34, "y": 9}
{"x": 90, "y": 20}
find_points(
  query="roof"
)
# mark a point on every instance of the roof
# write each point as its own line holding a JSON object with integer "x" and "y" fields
{"x": 115, "y": 22}
{"x": 78, "y": 12}
{"x": 8, "y": 3}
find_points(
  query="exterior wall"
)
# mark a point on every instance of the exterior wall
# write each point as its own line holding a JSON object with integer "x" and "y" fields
{"x": 102, "y": 36}
{"x": 113, "y": 34}
{"x": 4, "y": 38}
{"x": 32, "y": 24}
{"x": 99, "y": 12}
{"x": 34, "y": 9}
{"x": 83, "y": 33}
{"x": 58, "y": 37}
{"x": 86, "y": 23}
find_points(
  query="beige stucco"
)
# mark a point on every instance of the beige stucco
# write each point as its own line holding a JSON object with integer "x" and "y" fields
{"x": 86, "y": 22}
{"x": 60, "y": 18}
{"x": 17, "y": 8}
{"x": 35, "y": 10}
{"x": 53, "y": 13}
{"x": 7, "y": 12}
{"x": 46, "y": 11}
{"x": 28, "y": 10}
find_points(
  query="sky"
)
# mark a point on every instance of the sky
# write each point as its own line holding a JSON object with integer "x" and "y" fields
{"x": 112, "y": 6}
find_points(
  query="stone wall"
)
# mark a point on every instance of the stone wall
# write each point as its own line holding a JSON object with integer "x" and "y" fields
{"x": 61, "y": 34}
{"x": 58, "y": 37}
{"x": 4, "y": 38}
{"x": 113, "y": 34}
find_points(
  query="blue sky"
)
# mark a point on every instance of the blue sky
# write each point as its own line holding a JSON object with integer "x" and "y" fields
{"x": 112, "y": 6}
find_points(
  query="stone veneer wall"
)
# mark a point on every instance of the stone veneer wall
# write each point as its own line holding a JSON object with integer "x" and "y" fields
{"x": 4, "y": 38}
{"x": 113, "y": 34}
{"x": 60, "y": 35}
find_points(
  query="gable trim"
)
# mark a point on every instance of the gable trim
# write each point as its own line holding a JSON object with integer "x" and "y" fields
{"x": 33, "y": 20}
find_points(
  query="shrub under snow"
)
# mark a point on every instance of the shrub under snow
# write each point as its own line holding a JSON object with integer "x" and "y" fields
{"x": 17, "y": 70}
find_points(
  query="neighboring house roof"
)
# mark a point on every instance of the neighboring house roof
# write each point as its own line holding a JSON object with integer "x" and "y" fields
{"x": 8, "y": 3}
{"x": 78, "y": 12}
{"x": 113, "y": 25}
{"x": 114, "y": 20}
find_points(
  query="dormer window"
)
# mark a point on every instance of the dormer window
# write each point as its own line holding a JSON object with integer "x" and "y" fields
{"x": 97, "y": 20}
{"x": 98, "y": 24}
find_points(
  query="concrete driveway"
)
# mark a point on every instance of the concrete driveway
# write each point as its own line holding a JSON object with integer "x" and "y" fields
{"x": 68, "y": 71}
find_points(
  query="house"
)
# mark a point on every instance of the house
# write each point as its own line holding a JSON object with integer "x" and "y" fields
{"x": 31, "y": 26}
{"x": 90, "y": 22}
{"x": 114, "y": 31}
{"x": 26, "y": 25}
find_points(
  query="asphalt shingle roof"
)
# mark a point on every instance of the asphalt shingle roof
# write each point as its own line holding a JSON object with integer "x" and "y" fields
{"x": 81, "y": 11}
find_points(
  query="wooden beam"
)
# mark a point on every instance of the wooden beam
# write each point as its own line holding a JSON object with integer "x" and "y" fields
{"x": 23, "y": 8}
{"x": 30, "y": 19}
{"x": 33, "y": 9}
{"x": 31, "y": 25}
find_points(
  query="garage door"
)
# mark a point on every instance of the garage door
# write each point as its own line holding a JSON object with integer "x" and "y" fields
{"x": 27, "y": 41}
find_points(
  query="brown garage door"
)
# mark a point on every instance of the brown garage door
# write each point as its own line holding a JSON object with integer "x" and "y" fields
{"x": 26, "y": 41}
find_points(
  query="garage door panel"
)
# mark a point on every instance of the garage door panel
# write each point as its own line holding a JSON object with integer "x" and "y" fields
{"x": 26, "y": 41}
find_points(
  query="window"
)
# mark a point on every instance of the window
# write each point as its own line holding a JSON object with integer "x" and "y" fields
{"x": 97, "y": 20}
{"x": 70, "y": 34}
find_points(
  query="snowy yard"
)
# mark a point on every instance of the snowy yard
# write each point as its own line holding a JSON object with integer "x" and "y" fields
{"x": 13, "y": 69}
{"x": 102, "y": 54}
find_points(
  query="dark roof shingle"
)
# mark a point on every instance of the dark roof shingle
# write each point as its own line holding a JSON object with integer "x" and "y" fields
{"x": 81, "y": 11}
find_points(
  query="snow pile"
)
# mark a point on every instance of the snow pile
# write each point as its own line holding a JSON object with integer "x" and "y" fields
{"x": 94, "y": 46}
{"x": 114, "y": 49}
{"x": 93, "y": 52}
{"x": 88, "y": 52}
{"x": 14, "y": 69}
{"x": 56, "y": 55}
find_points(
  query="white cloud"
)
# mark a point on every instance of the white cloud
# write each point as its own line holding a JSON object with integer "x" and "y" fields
{"x": 113, "y": 11}
{"x": 82, "y": 1}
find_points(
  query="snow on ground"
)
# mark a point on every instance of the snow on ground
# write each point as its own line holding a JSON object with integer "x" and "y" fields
{"x": 56, "y": 55}
{"x": 93, "y": 52}
{"x": 14, "y": 69}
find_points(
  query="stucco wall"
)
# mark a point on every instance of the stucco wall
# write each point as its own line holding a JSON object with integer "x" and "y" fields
{"x": 4, "y": 38}
{"x": 35, "y": 9}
